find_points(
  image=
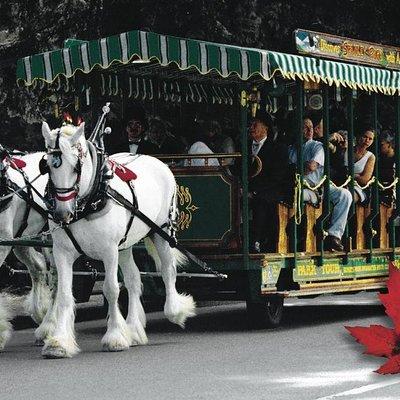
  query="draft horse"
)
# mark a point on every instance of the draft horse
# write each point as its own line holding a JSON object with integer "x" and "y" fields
{"x": 23, "y": 213}
{"x": 108, "y": 235}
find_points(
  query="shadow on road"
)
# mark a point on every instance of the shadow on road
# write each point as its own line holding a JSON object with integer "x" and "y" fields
{"x": 233, "y": 318}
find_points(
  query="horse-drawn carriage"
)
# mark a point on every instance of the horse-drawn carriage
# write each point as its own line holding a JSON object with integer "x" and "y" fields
{"x": 214, "y": 223}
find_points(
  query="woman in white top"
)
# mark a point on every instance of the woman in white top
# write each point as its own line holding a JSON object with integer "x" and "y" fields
{"x": 201, "y": 148}
{"x": 364, "y": 163}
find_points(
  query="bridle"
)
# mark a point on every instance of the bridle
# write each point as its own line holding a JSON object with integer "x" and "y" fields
{"x": 57, "y": 192}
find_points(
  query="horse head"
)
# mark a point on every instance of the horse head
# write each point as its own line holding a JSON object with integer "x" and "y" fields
{"x": 66, "y": 153}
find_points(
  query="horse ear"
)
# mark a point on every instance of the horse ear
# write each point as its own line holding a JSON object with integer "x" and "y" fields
{"x": 46, "y": 132}
{"x": 78, "y": 133}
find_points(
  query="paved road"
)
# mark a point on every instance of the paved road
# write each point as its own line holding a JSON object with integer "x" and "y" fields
{"x": 309, "y": 357}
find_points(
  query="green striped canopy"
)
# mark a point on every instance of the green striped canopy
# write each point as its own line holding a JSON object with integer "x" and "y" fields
{"x": 203, "y": 56}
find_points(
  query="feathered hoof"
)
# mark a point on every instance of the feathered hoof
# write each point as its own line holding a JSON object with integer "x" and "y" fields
{"x": 53, "y": 349}
{"x": 115, "y": 342}
{"x": 138, "y": 335}
{"x": 4, "y": 337}
{"x": 39, "y": 343}
{"x": 184, "y": 309}
{"x": 37, "y": 303}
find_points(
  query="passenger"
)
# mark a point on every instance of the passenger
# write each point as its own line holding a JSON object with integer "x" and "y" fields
{"x": 364, "y": 163}
{"x": 159, "y": 134}
{"x": 197, "y": 145}
{"x": 135, "y": 139}
{"x": 218, "y": 142}
{"x": 314, "y": 159}
{"x": 387, "y": 167}
{"x": 267, "y": 187}
{"x": 338, "y": 146}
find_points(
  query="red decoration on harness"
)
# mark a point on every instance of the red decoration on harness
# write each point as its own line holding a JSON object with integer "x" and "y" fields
{"x": 17, "y": 163}
{"x": 71, "y": 196}
{"x": 122, "y": 172}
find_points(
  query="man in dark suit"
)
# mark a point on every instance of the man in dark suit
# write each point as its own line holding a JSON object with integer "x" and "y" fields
{"x": 134, "y": 140}
{"x": 269, "y": 185}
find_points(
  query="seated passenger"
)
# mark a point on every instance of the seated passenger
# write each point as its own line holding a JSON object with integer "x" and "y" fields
{"x": 134, "y": 140}
{"x": 364, "y": 163}
{"x": 218, "y": 142}
{"x": 267, "y": 187}
{"x": 338, "y": 147}
{"x": 387, "y": 167}
{"x": 314, "y": 159}
{"x": 197, "y": 145}
{"x": 159, "y": 135}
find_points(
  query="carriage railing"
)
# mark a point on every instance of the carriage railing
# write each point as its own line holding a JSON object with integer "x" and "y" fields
{"x": 178, "y": 158}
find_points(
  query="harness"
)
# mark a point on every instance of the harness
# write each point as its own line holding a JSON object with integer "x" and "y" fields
{"x": 8, "y": 187}
{"x": 110, "y": 193}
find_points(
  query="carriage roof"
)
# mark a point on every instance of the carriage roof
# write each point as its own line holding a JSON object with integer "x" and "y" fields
{"x": 179, "y": 56}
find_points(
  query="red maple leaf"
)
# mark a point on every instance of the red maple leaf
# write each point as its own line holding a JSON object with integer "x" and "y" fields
{"x": 379, "y": 340}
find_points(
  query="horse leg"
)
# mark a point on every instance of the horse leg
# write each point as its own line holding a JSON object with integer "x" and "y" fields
{"x": 39, "y": 298}
{"x": 136, "y": 318}
{"x": 5, "y": 311}
{"x": 61, "y": 343}
{"x": 5, "y": 324}
{"x": 178, "y": 307}
{"x": 117, "y": 337}
{"x": 47, "y": 325}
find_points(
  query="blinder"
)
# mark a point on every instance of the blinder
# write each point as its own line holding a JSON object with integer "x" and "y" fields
{"x": 43, "y": 167}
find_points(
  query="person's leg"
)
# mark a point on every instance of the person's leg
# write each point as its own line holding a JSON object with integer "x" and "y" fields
{"x": 259, "y": 222}
{"x": 341, "y": 199}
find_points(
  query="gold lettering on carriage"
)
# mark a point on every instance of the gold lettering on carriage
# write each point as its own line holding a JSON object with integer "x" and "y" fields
{"x": 306, "y": 270}
{"x": 331, "y": 269}
{"x": 185, "y": 206}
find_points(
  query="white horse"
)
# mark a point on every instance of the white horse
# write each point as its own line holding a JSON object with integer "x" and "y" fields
{"x": 71, "y": 161}
{"x": 12, "y": 216}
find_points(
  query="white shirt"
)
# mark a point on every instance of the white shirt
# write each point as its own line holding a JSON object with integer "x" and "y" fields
{"x": 256, "y": 146}
{"x": 133, "y": 147}
{"x": 201, "y": 148}
{"x": 312, "y": 151}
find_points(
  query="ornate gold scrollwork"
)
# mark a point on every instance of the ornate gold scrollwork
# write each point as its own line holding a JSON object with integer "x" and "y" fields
{"x": 186, "y": 208}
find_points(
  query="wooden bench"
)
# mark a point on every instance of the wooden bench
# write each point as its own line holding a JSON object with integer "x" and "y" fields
{"x": 312, "y": 213}
{"x": 284, "y": 214}
{"x": 385, "y": 212}
{"x": 362, "y": 213}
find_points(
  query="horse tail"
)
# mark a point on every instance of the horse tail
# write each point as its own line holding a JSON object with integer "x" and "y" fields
{"x": 153, "y": 253}
{"x": 179, "y": 258}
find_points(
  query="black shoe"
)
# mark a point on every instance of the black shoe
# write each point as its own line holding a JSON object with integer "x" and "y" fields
{"x": 332, "y": 243}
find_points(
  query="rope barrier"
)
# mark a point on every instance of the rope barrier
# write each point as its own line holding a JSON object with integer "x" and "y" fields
{"x": 317, "y": 186}
{"x": 369, "y": 183}
{"x": 394, "y": 183}
{"x": 297, "y": 200}
{"x": 345, "y": 183}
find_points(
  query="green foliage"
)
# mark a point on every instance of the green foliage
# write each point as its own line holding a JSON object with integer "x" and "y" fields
{"x": 30, "y": 27}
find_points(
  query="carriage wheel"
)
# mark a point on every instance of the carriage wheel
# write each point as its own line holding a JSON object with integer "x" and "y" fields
{"x": 267, "y": 313}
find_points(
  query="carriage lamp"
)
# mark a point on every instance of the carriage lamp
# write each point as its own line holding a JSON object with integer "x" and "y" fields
{"x": 252, "y": 98}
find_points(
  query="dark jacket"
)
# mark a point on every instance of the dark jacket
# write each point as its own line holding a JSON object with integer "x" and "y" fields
{"x": 120, "y": 144}
{"x": 274, "y": 158}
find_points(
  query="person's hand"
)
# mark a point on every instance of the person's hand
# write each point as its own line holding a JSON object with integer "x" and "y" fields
{"x": 336, "y": 137}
